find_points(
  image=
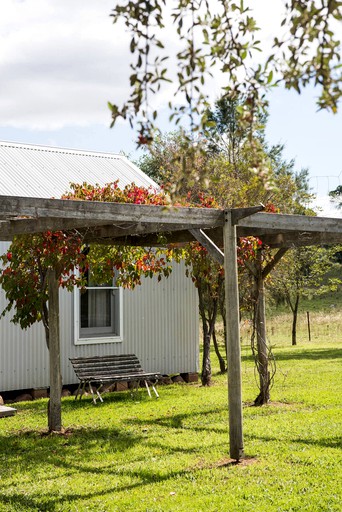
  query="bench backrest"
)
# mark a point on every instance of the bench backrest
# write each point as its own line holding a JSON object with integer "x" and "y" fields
{"x": 106, "y": 365}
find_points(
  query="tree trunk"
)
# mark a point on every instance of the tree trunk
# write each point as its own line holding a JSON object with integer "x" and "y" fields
{"x": 224, "y": 319}
{"x": 222, "y": 363}
{"x": 54, "y": 405}
{"x": 206, "y": 361}
{"x": 262, "y": 352}
{"x": 294, "y": 321}
{"x": 45, "y": 318}
{"x": 208, "y": 312}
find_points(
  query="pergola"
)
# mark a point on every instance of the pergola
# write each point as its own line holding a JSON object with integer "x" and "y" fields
{"x": 131, "y": 224}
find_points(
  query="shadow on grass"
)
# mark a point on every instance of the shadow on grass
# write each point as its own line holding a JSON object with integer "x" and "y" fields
{"x": 34, "y": 449}
{"x": 300, "y": 353}
{"x": 56, "y": 457}
{"x": 325, "y": 442}
{"x": 70, "y": 404}
{"x": 48, "y": 502}
{"x": 38, "y": 448}
{"x": 178, "y": 421}
{"x": 312, "y": 354}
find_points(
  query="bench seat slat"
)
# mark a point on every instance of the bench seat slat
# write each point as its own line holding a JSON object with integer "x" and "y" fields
{"x": 138, "y": 376}
{"x": 111, "y": 366}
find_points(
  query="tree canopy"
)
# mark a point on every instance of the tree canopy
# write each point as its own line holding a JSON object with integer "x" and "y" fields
{"x": 185, "y": 47}
{"x": 336, "y": 196}
{"x": 224, "y": 154}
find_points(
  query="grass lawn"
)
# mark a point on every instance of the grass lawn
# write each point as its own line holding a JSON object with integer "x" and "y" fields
{"x": 171, "y": 454}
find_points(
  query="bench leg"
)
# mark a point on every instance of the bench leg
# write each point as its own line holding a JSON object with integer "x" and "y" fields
{"x": 155, "y": 391}
{"x": 78, "y": 390}
{"x": 92, "y": 392}
{"x": 99, "y": 393}
{"x": 148, "y": 389}
{"x": 82, "y": 389}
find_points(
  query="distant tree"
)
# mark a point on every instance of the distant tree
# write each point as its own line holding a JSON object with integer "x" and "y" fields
{"x": 302, "y": 273}
{"x": 177, "y": 165}
{"x": 336, "y": 196}
{"x": 225, "y": 132}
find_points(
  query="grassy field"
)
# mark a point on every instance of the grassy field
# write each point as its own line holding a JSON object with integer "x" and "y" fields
{"x": 171, "y": 454}
{"x": 325, "y": 325}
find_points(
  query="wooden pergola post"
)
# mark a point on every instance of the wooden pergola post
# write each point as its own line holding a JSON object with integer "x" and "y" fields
{"x": 55, "y": 406}
{"x": 233, "y": 339}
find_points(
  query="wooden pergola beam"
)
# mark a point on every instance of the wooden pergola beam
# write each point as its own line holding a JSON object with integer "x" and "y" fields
{"x": 13, "y": 207}
{"x": 279, "y": 223}
{"x": 106, "y": 222}
{"x": 20, "y": 226}
{"x": 211, "y": 247}
{"x": 276, "y": 258}
{"x": 303, "y": 239}
{"x": 183, "y": 236}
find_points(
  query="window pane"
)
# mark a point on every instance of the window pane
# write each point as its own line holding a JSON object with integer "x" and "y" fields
{"x": 99, "y": 310}
{"x": 96, "y": 308}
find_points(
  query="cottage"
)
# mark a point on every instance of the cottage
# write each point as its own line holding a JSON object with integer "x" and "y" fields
{"x": 157, "y": 321}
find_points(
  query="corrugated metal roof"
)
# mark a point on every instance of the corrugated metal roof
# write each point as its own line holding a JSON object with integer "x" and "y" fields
{"x": 42, "y": 171}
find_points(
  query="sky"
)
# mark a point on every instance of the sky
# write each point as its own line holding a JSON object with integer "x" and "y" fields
{"x": 61, "y": 62}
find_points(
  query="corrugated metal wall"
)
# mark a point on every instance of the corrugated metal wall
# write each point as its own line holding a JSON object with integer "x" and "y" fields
{"x": 160, "y": 326}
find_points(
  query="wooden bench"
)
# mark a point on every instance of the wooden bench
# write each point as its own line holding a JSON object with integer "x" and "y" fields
{"x": 109, "y": 369}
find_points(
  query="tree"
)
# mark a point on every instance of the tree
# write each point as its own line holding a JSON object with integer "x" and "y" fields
{"x": 302, "y": 273}
{"x": 35, "y": 266}
{"x": 336, "y": 196}
{"x": 208, "y": 277}
{"x": 227, "y": 158}
{"x": 223, "y": 40}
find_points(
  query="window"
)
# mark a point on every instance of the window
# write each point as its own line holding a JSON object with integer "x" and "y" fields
{"x": 98, "y": 313}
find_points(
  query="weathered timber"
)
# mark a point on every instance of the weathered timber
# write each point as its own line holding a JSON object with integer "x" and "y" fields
{"x": 11, "y": 228}
{"x": 141, "y": 229}
{"x": 54, "y": 405}
{"x": 212, "y": 249}
{"x": 300, "y": 239}
{"x": 241, "y": 213}
{"x": 111, "y": 222}
{"x": 276, "y": 258}
{"x": 233, "y": 340}
{"x": 276, "y": 240}
{"x": 278, "y": 223}
{"x": 108, "y": 212}
{"x": 145, "y": 239}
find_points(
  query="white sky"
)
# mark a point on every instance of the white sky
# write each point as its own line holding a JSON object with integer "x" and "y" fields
{"x": 61, "y": 61}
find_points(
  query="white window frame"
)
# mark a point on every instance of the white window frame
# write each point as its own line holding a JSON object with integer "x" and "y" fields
{"x": 101, "y": 338}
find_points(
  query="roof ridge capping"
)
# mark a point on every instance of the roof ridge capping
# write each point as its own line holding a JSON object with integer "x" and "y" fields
{"x": 61, "y": 150}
